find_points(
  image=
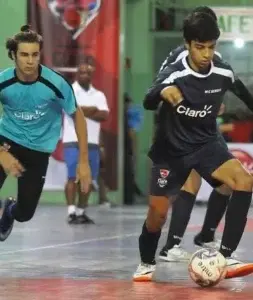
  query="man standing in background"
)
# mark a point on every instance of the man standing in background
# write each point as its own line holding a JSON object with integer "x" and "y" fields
{"x": 95, "y": 108}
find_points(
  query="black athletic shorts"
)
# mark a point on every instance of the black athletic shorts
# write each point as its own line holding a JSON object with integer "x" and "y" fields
{"x": 35, "y": 162}
{"x": 30, "y": 184}
{"x": 168, "y": 178}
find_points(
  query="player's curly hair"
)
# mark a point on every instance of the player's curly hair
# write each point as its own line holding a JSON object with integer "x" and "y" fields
{"x": 200, "y": 27}
{"x": 26, "y": 35}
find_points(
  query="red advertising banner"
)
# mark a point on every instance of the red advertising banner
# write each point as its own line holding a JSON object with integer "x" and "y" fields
{"x": 72, "y": 29}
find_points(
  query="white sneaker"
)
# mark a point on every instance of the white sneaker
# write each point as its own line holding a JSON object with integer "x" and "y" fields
{"x": 176, "y": 254}
{"x": 214, "y": 244}
{"x": 144, "y": 272}
{"x": 236, "y": 268}
{"x": 105, "y": 205}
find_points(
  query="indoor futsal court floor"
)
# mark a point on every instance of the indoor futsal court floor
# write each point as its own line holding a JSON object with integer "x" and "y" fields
{"x": 48, "y": 259}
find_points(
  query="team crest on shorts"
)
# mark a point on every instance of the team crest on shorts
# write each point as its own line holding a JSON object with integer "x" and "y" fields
{"x": 164, "y": 173}
{"x": 162, "y": 182}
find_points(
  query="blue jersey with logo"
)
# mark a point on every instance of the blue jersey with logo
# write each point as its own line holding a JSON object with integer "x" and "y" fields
{"x": 32, "y": 111}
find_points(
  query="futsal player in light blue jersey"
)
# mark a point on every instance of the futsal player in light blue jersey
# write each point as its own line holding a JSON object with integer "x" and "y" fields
{"x": 33, "y": 98}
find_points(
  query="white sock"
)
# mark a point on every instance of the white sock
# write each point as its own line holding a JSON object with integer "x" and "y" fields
{"x": 79, "y": 211}
{"x": 71, "y": 209}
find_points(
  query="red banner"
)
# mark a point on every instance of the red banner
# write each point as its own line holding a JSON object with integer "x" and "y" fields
{"x": 72, "y": 29}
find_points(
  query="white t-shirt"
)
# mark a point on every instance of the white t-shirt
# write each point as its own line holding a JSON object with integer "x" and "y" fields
{"x": 92, "y": 97}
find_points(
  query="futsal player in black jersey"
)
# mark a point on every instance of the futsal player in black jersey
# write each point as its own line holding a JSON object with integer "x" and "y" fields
{"x": 218, "y": 200}
{"x": 191, "y": 91}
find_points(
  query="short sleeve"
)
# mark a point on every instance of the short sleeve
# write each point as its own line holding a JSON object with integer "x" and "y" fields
{"x": 102, "y": 104}
{"x": 68, "y": 102}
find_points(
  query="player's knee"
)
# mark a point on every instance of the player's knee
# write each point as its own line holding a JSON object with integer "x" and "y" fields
{"x": 70, "y": 184}
{"x": 23, "y": 217}
{"x": 191, "y": 189}
{"x": 244, "y": 182}
{"x": 224, "y": 190}
{"x": 156, "y": 218}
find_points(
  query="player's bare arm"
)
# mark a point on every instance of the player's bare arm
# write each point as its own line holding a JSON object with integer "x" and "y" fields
{"x": 99, "y": 115}
{"x": 83, "y": 170}
{"x": 94, "y": 113}
{"x": 88, "y": 111}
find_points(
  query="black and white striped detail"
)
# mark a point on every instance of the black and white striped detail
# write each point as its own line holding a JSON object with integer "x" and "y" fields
{"x": 181, "y": 55}
{"x": 188, "y": 71}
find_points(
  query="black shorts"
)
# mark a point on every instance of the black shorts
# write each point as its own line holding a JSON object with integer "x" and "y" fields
{"x": 30, "y": 184}
{"x": 33, "y": 161}
{"x": 168, "y": 178}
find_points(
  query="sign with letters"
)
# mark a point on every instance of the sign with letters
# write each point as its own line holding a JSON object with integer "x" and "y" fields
{"x": 235, "y": 23}
{"x": 244, "y": 153}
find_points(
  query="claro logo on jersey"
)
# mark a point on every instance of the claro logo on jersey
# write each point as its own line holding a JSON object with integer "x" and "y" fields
{"x": 182, "y": 110}
{"x": 28, "y": 116}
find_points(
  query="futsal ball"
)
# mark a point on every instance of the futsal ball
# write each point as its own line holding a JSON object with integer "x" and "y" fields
{"x": 207, "y": 267}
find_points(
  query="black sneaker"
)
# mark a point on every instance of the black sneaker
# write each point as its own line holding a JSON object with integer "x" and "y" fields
{"x": 84, "y": 219}
{"x": 6, "y": 222}
{"x": 199, "y": 241}
{"x": 72, "y": 219}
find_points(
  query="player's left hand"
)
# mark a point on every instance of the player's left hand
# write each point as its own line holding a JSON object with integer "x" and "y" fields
{"x": 83, "y": 177}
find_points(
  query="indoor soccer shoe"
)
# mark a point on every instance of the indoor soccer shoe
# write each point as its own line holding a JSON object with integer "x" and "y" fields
{"x": 215, "y": 244}
{"x": 176, "y": 254}
{"x": 84, "y": 219}
{"x": 6, "y": 222}
{"x": 72, "y": 219}
{"x": 236, "y": 268}
{"x": 144, "y": 272}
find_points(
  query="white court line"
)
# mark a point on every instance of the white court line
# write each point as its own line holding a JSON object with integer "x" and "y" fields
{"x": 71, "y": 243}
{"x": 115, "y": 237}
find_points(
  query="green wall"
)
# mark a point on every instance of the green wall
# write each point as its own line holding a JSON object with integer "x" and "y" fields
{"x": 139, "y": 50}
{"x": 12, "y": 16}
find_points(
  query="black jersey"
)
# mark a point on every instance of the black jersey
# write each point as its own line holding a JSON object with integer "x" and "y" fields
{"x": 192, "y": 123}
{"x": 237, "y": 88}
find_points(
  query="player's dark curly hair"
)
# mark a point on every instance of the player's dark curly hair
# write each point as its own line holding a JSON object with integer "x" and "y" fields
{"x": 206, "y": 10}
{"x": 26, "y": 35}
{"x": 200, "y": 27}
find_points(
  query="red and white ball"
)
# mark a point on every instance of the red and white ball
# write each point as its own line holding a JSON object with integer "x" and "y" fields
{"x": 207, "y": 267}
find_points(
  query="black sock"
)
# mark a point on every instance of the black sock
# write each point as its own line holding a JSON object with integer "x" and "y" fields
{"x": 216, "y": 208}
{"x": 236, "y": 218}
{"x": 180, "y": 216}
{"x": 148, "y": 242}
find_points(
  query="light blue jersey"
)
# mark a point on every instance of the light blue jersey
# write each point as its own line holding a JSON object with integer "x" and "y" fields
{"x": 32, "y": 111}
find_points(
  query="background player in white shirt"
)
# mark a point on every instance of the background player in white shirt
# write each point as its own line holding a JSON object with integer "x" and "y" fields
{"x": 94, "y": 105}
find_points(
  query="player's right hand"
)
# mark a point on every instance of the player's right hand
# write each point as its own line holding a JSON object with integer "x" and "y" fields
{"x": 172, "y": 94}
{"x": 83, "y": 176}
{"x": 10, "y": 164}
